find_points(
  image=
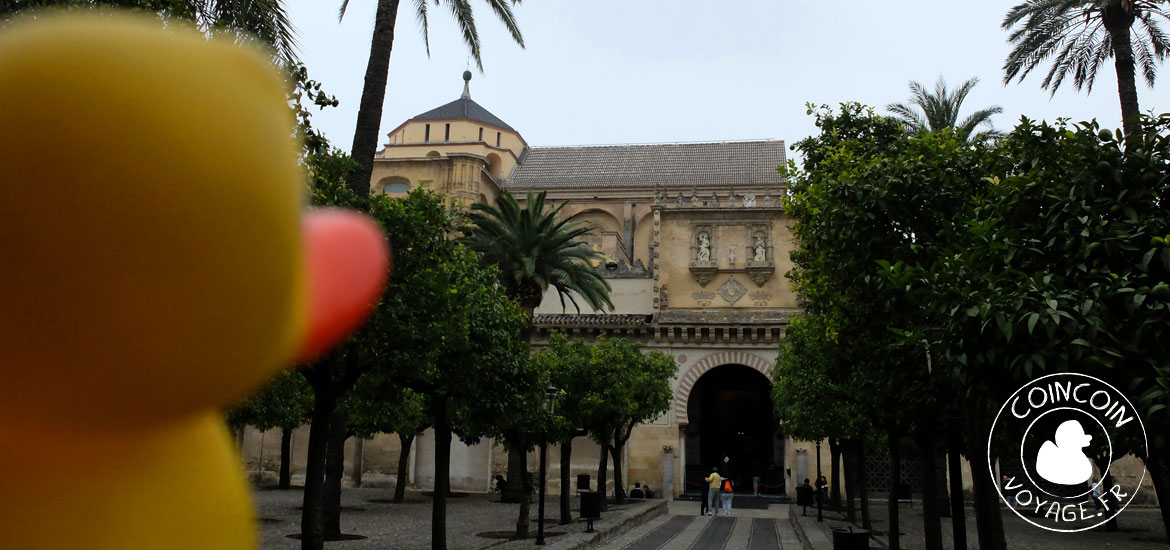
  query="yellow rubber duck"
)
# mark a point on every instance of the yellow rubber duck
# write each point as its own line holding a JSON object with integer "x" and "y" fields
{"x": 156, "y": 264}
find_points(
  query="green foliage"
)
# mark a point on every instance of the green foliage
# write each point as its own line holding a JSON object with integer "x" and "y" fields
{"x": 1074, "y": 36}
{"x": 535, "y": 249}
{"x": 811, "y": 387}
{"x": 870, "y": 197}
{"x": 464, "y": 18}
{"x": 606, "y": 388}
{"x": 285, "y": 402}
{"x": 1064, "y": 265}
{"x": 937, "y": 111}
{"x": 267, "y": 22}
{"x": 374, "y": 408}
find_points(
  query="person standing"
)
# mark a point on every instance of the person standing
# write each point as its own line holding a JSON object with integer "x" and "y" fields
{"x": 726, "y": 492}
{"x": 713, "y": 482}
{"x": 703, "y": 500}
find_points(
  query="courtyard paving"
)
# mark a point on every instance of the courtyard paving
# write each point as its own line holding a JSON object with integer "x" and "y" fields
{"x": 474, "y": 521}
{"x": 1140, "y": 528}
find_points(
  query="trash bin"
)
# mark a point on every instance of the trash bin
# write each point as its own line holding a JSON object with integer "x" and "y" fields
{"x": 590, "y": 504}
{"x": 850, "y": 539}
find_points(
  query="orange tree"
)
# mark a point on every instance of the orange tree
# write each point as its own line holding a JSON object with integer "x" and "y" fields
{"x": 1064, "y": 266}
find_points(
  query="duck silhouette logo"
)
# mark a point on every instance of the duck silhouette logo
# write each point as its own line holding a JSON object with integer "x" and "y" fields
{"x": 1064, "y": 461}
{"x": 1055, "y": 434}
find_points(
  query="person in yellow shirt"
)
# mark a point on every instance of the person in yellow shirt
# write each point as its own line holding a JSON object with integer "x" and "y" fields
{"x": 713, "y": 482}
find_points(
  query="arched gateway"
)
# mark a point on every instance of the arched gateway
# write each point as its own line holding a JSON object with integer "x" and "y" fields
{"x": 724, "y": 411}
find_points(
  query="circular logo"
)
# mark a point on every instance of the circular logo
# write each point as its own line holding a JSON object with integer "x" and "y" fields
{"x": 1054, "y": 440}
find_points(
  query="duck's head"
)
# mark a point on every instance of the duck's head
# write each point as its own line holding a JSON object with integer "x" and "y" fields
{"x": 156, "y": 258}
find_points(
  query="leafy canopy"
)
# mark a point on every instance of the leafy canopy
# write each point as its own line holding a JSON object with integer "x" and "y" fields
{"x": 535, "y": 249}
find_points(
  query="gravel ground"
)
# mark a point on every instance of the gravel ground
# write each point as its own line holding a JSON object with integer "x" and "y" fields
{"x": 474, "y": 521}
{"x": 1141, "y": 528}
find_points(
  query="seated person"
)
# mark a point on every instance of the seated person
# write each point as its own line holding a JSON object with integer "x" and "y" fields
{"x": 636, "y": 492}
{"x": 649, "y": 493}
{"x": 500, "y": 483}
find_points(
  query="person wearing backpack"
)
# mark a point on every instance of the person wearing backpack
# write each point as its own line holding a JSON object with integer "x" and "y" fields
{"x": 726, "y": 491}
{"x": 713, "y": 482}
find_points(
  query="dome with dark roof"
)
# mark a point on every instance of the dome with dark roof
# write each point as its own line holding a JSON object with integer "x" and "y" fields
{"x": 464, "y": 109}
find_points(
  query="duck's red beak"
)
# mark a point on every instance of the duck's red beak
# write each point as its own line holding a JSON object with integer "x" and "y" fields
{"x": 348, "y": 262}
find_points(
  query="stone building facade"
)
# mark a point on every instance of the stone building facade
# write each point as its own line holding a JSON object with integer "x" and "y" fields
{"x": 696, "y": 246}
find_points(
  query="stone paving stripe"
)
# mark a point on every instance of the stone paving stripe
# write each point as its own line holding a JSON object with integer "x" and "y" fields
{"x": 741, "y": 534}
{"x": 715, "y": 535}
{"x": 660, "y": 536}
{"x": 625, "y": 540}
{"x": 789, "y": 540}
{"x": 687, "y": 536}
{"x": 764, "y": 535}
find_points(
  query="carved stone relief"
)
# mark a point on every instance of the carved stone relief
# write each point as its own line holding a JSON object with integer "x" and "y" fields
{"x": 760, "y": 297}
{"x": 731, "y": 256}
{"x": 703, "y": 297}
{"x": 703, "y": 247}
{"x": 732, "y": 290}
{"x": 749, "y": 200}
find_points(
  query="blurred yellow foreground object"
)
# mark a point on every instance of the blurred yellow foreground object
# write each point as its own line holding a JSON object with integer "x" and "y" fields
{"x": 153, "y": 269}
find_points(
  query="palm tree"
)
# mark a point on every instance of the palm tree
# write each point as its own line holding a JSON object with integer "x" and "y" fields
{"x": 265, "y": 20}
{"x": 365, "y": 133}
{"x": 936, "y": 111}
{"x": 1079, "y": 35}
{"x": 534, "y": 250}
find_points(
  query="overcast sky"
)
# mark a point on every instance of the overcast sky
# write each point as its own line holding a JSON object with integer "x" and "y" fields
{"x": 651, "y": 71}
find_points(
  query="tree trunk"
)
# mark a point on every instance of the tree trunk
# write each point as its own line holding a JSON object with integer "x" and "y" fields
{"x": 931, "y": 513}
{"x": 514, "y": 490}
{"x": 988, "y": 521}
{"x": 618, "y": 482}
{"x": 895, "y": 536}
{"x": 312, "y": 536}
{"x": 442, "y": 478}
{"x": 862, "y": 485}
{"x": 955, "y": 468}
{"x": 405, "y": 442}
{"x": 359, "y": 450}
{"x": 850, "y": 463}
{"x": 525, "y": 501}
{"x": 369, "y": 120}
{"x": 285, "y": 458}
{"x": 1160, "y": 475}
{"x": 1117, "y": 21}
{"x": 334, "y": 470}
{"x": 602, "y": 477}
{"x": 566, "y": 474}
{"x": 835, "y": 476}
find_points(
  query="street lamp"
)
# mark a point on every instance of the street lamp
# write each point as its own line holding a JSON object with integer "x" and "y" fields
{"x": 550, "y": 405}
{"x": 820, "y": 514}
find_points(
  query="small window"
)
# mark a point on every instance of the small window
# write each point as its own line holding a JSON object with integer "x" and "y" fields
{"x": 392, "y": 188}
{"x": 427, "y": 133}
{"x": 481, "y": 134}
{"x": 447, "y": 133}
{"x": 497, "y": 139}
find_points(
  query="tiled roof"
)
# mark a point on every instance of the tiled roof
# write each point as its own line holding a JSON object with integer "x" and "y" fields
{"x": 602, "y": 319}
{"x": 739, "y": 164}
{"x": 461, "y": 108}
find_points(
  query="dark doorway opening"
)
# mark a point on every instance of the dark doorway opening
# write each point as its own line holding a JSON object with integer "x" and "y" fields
{"x": 730, "y": 416}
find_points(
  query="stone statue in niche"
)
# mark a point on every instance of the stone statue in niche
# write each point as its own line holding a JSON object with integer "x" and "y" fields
{"x": 695, "y": 200}
{"x": 704, "y": 254}
{"x": 761, "y": 249}
{"x": 731, "y": 256}
{"x": 749, "y": 200}
{"x": 680, "y": 201}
